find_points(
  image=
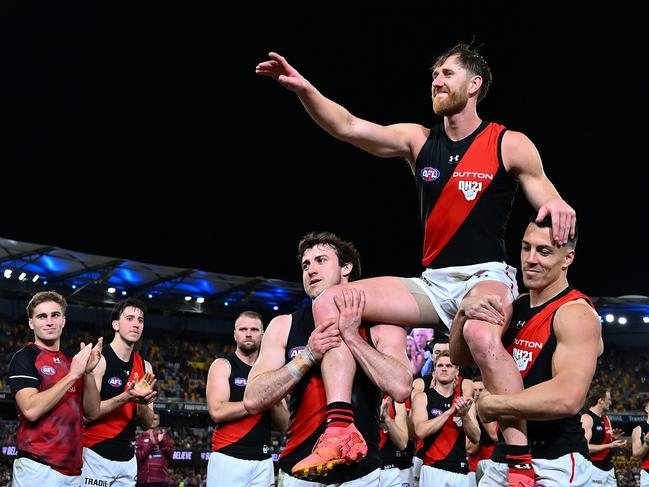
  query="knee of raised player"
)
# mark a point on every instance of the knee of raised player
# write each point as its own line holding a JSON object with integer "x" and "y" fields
{"x": 482, "y": 338}
{"x": 324, "y": 306}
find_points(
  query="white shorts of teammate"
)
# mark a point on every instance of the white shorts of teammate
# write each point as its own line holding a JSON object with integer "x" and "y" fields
{"x": 226, "y": 470}
{"x": 28, "y": 473}
{"x": 436, "y": 477}
{"x": 566, "y": 471}
{"x": 416, "y": 470}
{"x": 372, "y": 479}
{"x": 97, "y": 469}
{"x": 604, "y": 477}
{"x": 394, "y": 477}
{"x": 644, "y": 478}
{"x": 446, "y": 287}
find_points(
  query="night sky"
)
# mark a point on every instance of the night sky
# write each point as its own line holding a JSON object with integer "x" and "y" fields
{"x": 150, "y": 118}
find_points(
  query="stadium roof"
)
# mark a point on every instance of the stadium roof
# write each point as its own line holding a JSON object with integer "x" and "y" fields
{"x": 95, "y": 279}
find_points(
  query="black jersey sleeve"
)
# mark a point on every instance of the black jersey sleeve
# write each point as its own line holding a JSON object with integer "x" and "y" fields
{"x": 22, "y": 371}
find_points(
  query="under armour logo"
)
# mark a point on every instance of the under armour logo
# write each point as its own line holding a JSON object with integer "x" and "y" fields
{"x": 453, "y": 159}
{"x": 57, "y": 360}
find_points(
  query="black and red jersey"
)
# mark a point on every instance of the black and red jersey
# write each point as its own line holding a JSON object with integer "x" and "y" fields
{"x": 446, "y": 448}
{"x": 113, "y": 436}
{"x": 55, "y": 438}
{"x": 601, "y": 434}
{"x": 391, "y": 457}
{"x": 531, "y": 340}
{"x": 308, "y": 409}
{"x": 465, "y": 196}
{"x": 485, "y": 448}
{"x": 247, "y": 438}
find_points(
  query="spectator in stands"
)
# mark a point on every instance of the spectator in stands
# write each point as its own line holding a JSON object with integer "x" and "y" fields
{"x": 601, "y": 436}
{"x": 241, "y": 447}
{"x": 153, "y": 450}
{"x": 53, "y": 392}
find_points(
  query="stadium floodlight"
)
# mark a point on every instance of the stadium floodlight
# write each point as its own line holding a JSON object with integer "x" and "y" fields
{"x": 622, "y": 320}
{"x": 35, "y": 278}
{"x": 111, "y": 290}
{"x": 188, "y": 298}
{"x": 8, "y": 273}
{"x": 22, "y": 276}
{"x": 610, "y": 318}
{"x": 275, "y": 307}
{"x": 645, "y": 319}
{"x": 200, "y": 300}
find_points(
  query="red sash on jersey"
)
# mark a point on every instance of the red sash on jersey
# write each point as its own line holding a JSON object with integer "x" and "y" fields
{"x": 461, "y": 193}
{"x": 535, "y": 333}
{"x": 602, "y": 455}
{"x": 447, "y": 436}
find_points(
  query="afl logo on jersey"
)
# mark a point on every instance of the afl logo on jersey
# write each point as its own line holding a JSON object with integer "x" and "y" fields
{"x": 293, "y": 352}
{"x": 436, "y": 412}
{"x": 115, "y": 382}
{"x": 599, "y": 427}
{"x": 48, "y": 370}
{"x": 429, "y": 173}
{"x": 240, "y": 381}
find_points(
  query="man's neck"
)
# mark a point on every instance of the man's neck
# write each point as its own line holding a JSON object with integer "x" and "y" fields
{"x": 597, "y": 410}
{"x": 444, "y": 389}
{"x": 53, "y": 346}
{"x": 461, "y": 125}
{"x": 122, "y": 349}
{"x": 247, "y": 359}
{"x": 541, "y": 296}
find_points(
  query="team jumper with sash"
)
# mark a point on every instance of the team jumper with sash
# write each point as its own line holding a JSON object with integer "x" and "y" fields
{"x": 247, "y": 438}
{"x": 446, "y": 448}
{"x": 531, "y": 341}
{"x": 465, "y": 196}
{"x": 308, "y": 413}
{"x": 113, "y": 436}
{"x": 601, "y": 434}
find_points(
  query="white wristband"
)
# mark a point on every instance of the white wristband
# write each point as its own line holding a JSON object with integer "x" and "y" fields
{"x": 294, "y": 370}
{"x": 307, "y": 356}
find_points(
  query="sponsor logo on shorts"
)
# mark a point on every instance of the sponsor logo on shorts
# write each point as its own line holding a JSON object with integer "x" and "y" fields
{"x": 97, "y": 482}
{"x": 240, "y": 381}
{"x": 458, "y": 421}
{"x": 48, "y": 370}
{"x": 429, "y": 174}
{"x": 115, "y": 382}
{"x": 292, "y": 353}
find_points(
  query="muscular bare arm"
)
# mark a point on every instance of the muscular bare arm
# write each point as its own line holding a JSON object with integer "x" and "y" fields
{"x": 423, "y": 426}
{"x": 397, "y": 427}
{"x": 218, "y": 394}
{"x": 639, "y": 445}
{"x": 579, "y": 343}
{"x": 33, "y": 404}
{"x": 271, "y": 378}
{"x": 398, "y": 140}
{"x": 522, "y": 159}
